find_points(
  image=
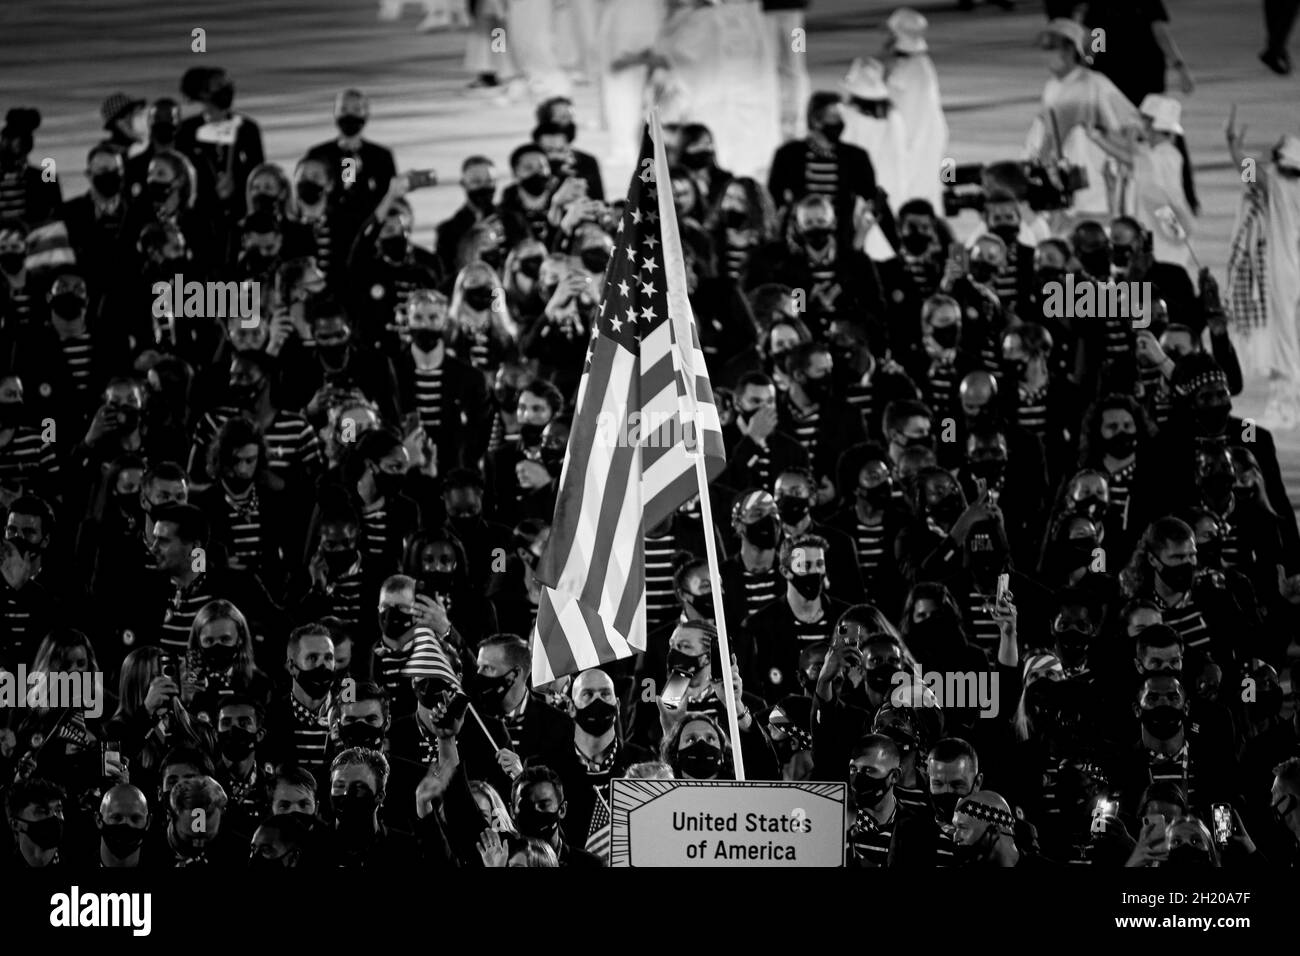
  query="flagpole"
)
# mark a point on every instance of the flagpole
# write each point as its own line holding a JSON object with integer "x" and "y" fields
{"x": 715, "y": 581}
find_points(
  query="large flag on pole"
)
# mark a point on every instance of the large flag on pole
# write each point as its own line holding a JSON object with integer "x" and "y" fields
{"x": 645, "y": 409}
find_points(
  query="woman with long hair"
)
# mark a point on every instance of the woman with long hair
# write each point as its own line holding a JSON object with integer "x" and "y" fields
{"x": 221, "y": 645}
{"x": 742, "y": 221}
{"x": 480, "y": 329}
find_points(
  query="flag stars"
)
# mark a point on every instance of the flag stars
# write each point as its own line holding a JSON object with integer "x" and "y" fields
{"x": 653, "y": 217}
{"x": 648, "y": 263}
{"x": 647, "y": 288}
{"x": 636, "y": 216}
{"x": 631, "y": 318}
{"x": 631, "y": 254}
{"x": 622, "y": 288}
{"x": 648, "y": 313}
{"x": 651, "y": 241}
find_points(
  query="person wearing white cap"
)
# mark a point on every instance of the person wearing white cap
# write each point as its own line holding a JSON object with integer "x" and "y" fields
{"x": 1075, "y": 99}
{"x": 1157, "y": 196}
{"x": 872, "y": 123}
{"x": 914, "y": 91}
{"x": 1264, "y": 274}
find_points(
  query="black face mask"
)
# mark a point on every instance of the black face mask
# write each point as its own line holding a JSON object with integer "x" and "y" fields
{"x": 938, "y": 632}
{"x": 992, "y": 470}
{"x": 334, "y": 354}
{"x": 394, "y": 622}
{"x": 489, "y": 693}
{"x": 222, "y": 97}
{"x": 703, "y": 603}
{"x": 244, "y": 394}
{"x": 881, "y": 679}
{"x": 1212, "y": 421}
{"x": 350, "y": 125}
{"x": 945, "y": 805}
{"x": 46, "y": 834}
{"x": 983, "y": 272}
{"x": 735, "y": 218}
{"x": 531, "y": 266}
{"x": 535, "y": 184}
{"x": 1007, "y": 232}
{"x": 701, "y": 160}
{"x": 426, "y": 340}
{"x": 162, "y": 133}
{"x": 946, "y": 336}
{"x": 107, "y": 184}
{"x": 1093, "y": 508}
{"x": 1096, "y": 264}
{"x": 530, "y": 434}
{"x": 1076, "y": 552}
{"x": 1188, "y": 857}
{"x": 1119, "y": 445}
{"x": 316, "y": 683}
{"x": 540, "y": 824}
{"x": 817, "y": 239}
{"x": 947, "y": 510}
{"x": 361, "y": 734}
{"x": 1217, "y": 486}
{"x": 1047, "y": 276}
{"x": 1121, "y": 256}
{"x": 394, "y": 247}
{"x": 219, "y": 657}
{"x": 917, "y": 243}
{"x": 1178, "y": 578}
{"x": 482, "y": 197}
{"x": 595, "y": 261}
{"x": 67, "y": 305}
{"x": 700, "y": 761}
{"x": 236, "y": 743}
{"x": 792, "y": 509}
{"x": 388, "y": 485}
{"x": 158, "y": 192}
{"x": 265, "y": 202}
{"x": 338, "y": 562}
{"x": 355, "y": 812}
{"x": 819, "y": 390}
{"x": 310, "y": 193}
{"x": 12, "y": 262}
{"x": 878, "y": 497}
{"x": 1072, "y": 648}
{"x": 597, "y": 717}
{"x": 832, "y": 131}
{"x": 762, "y": 533}
{"x": 679, "y": 662}
{"x": 1163, "y": 722}
{"x": 808, "y": 586}
{"x": 122, "y": 839}
{"x": 868, "y": 791}
{"x": 479, "y": 299}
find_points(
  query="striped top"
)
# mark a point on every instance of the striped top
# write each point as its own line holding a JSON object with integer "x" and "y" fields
{"x": 870, "y": 542}
{"x": 320, "y": 231}
{"x": 1186, "y": 619}
{"x": 805, "y": 426}
{"x": 500, "y": 437}
{"x": 821, "y": 172}
{"x": 1031, "y": 412}
{"x": 375, "y": 542}
{"x": 388, "y": 672}
{"x": 762, "y": 588}
{"x": 244, "y": 517}
{"x": 941, "y": 386}
{"x": 345, "y": 595}
{"x": 310, "y": 734}
{"x": 184, "y": 607}
{"x": 1121, "y": 488}
{"x": 660, "y": 596}
{"x": 291, "y": 442}
{"x": 924, "y": 274}
{"x": 1174, "y": 769}
{"x": 27, "y": 458}
{"x": 862, "y": 398}
{"x": 78, "y": 357}
{"x": 984, "y": 630}
{"x": 13, "y": 193}
{"x": 428, "y": 398}
{"x": 16, "y": 626}
{"x": 1006, "y": 283}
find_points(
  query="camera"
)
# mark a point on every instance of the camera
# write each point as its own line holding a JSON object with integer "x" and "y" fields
{"x": 1044, "y": 188}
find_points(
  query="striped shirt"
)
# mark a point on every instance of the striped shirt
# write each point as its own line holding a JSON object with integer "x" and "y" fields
{"x": 761, "y": 589}
{"x": 345, "y": 595}
{"x": 291, "y": 442}
{"x": 805, "y": 426}
{"x": 320, "y": 231}
{"x": 27, "y": 458}
{"x": 244, "y": 517}
{"x": 310, "y": 733}
{"x": 428, "y": 398}
{"x": 1031, "y": 413}
{"x": 660, "y": 596}
{"x": 821, "y": 172}
{"x": 923, "y": 272}
{"x": 78, "y": 357}
{"x": 870, "y": 542}
{"x": 941, "y": 386}
{"x": 862, "y": 398}
{"x": 1186, "y": 619}
{"x": 1006, "y": 283}
{"x": 388, "y": 672}
{"x": 375, "y": 542}
{"x": 16, "y": 624}
{"x": 1121, "y": 489}
{"x": 500, "y": 437}
{"x": 184, "y": 607}
{"x": 1176, "y": 768}
{"x": 984, "y": 629}
{"x": 13, "y": 193}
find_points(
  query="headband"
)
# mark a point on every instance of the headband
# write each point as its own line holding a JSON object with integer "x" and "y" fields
{"x": 987, "y": 813}
{"x": 1211, "y": 377}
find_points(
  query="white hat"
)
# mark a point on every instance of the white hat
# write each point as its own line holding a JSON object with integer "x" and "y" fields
{"x": 908, "y": 28}
{"x": 1165, "y": 112}
{"x": 866, "y": 80}
{"x": 1287, "y": 151}
{"x": 1071, "y": 30}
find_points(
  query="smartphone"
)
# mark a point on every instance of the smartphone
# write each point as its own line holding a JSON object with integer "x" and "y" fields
{"x": 111, "y": 754}
{"x": 675, "y": 690}
{"x": 421, "y": 178}
{"x": 957, "y": 253}
{"x": 1222, "y": 823}
{"x": 1004, "y": 584}
{"x": 167, "y": 664}
{"x": 1105, "y": 811}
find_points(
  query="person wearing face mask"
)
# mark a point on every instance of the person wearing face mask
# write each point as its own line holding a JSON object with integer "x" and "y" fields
{"x": 814, "y": 414}
{"x": 375, "y": 469}
{"x": 443, "y": 389}
{"x": 805, "y": 166}
{"x": 240, "y": 729}
{"x": 31, "y": 196}
{"x": 970, "y": 279}
{"x": 873, "y": 775}
{"x": 123, "y": 822}
{"x": 872, "y": 517}
{"x": 804, "y": 614}
{"x": 94, "y": 219}
{"x": 359, "y": 781}
{"x": 372, "y": 165}
{"x": 123, "y": 119}
{"x": 479, "y": 537}
{"x": 558, "y": 110}
{"x": 506, "y": 385}
{"x": 542, "y": 812}
{"x": 480, "y": 329}
{"x": 930, "y": 547}
{"x": 789, "y": 727}
{"x": 1236, "y": 538}
{"x": 795, "y": 496}
{"x": 1037, "y": 399}
{"x": 1172, "y": 746}
{"x": 742, "y": 221}
{"x": 34, "y": 809}
{"x": 1014, "y": 282}
{"x": 953, "y": 772}
{"x": 598, "y": 737}
{"x": 516, "y": 472}
{"x": 525, "y": 203}
{"x": 329, "y": 227}
{"x": 299, "y": 720}
{"x": 750, "y": 577}
{"x": 226, "y": 146}
{"x": 943, "y": 360}
{"x": 478, "y": 180}
{"x": 283, "y": 841}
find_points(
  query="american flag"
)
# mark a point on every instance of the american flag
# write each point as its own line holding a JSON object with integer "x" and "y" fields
{"x": 598, "y": 832}
{"x": 429, "y": 658}
{"x": 645, "y": 408}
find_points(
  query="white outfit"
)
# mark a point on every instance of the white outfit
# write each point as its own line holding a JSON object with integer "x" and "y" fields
{"x": 625, "y": 26}
{"x": 1283, "y": 289}
{"x": 791, "y": 71}
{"x": 723, "y": 74}
{"x": 885, "y": 141}
{"x": 530, "y": 32}
{"x": 1081, "y": 99}
{"x": 1158, "y": 199}
{"x": 914, "y": 89}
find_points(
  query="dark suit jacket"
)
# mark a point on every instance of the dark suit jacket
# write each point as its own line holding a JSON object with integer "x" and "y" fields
{"x": 787, "y": 182}
{"x": 375, "y": 171}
